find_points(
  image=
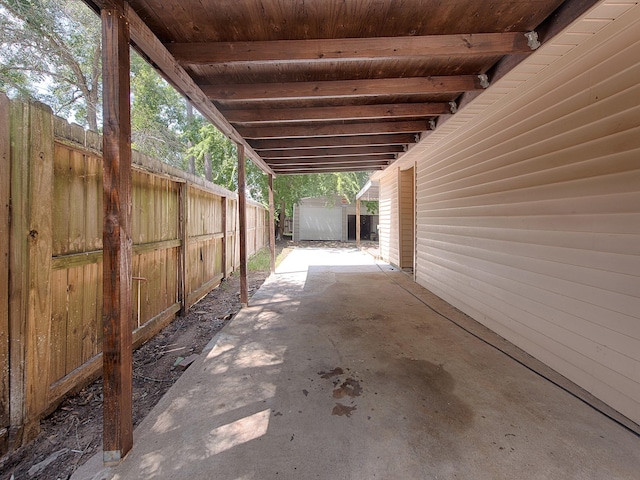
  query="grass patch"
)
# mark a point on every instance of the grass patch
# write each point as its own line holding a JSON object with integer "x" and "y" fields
{"x": 261, "y": 260}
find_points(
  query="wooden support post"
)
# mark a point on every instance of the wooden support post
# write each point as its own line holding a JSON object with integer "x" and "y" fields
{"x": 225, "y": 228}
{"x": 183, "y": 263}
{"x": 358, "y": 222}
{"x": 117, "y": 267}
{"x": 5, "y": 184}
{"x": 272, "y": 226}
{"x": 242, "y": 219}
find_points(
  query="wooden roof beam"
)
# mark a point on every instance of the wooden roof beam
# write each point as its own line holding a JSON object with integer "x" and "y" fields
{"x": 331, "y": 130}
{"x": 330, "y": 169}
{"x": 346, "y": 88}
{"x": 345, "y": 49}
{"x": 345, "y": 141}
{"x": 378, "y": 159}
{"x": 355, "y": 112}
{"x": 269, "y": 155}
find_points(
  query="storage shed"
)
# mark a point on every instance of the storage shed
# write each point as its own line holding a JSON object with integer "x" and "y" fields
{"x": 331, "y": 217}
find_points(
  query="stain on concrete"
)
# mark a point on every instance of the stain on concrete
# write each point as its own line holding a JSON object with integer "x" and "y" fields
{"x": 434, "y": 389}
{"x": 343, "y": 410}
{"x": 331, "y": 373}
{"x": 349, "y": 387}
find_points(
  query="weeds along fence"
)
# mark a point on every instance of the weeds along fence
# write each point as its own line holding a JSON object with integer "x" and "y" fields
{"x": 185, "y": 241}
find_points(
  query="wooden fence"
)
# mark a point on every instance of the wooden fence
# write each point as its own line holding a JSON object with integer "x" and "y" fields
{"x": 185, "y": 240}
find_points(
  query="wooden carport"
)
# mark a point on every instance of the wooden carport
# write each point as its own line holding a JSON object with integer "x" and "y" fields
{"x": 301, "y": 87}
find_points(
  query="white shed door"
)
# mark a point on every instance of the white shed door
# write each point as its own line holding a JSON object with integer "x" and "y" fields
{"x": 320, "y": 223}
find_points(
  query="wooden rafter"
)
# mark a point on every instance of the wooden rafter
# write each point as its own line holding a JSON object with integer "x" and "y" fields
{"x": 343, "y": 141}
{"x": 346, "y": 88}
{"x": 355, "y": 112}
{"x": 326, "y": 169}
{"x": 369, "y": 128}
{"x": 334, "y": 160}
{"x": 268, "y": 155}
{"x": 316, "y": 50}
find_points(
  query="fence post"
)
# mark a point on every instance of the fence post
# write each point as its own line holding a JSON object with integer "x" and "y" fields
{"x": 5, "y": 184}
{"x": 30, "y": 266}
{"x": 183, "y": 263}
{"x": 272, "y": 226}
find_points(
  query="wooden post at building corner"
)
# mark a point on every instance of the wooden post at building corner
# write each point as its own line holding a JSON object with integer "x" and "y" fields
{"x": 117, "y": 268}
{"x": 242, "y": 220}
{"x": 358, "y": 222}
{"x": 272, "y": 226}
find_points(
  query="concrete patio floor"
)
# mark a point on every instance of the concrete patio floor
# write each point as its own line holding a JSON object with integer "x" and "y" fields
{"x": 341, "y": 368}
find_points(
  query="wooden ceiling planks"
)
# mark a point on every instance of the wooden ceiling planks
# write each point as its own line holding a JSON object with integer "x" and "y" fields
{"x": 253, "y": 20}
{"x": 289, "y": 76}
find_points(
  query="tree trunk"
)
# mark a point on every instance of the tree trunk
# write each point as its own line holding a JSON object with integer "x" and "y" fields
{"x": 92, "y": 113}
{"x": 192, "y": 159}
{"x": 208, "y": 172}
{"x": 94, "y": 98}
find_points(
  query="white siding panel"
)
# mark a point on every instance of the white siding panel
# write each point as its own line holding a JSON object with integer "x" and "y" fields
{"x": 528, "y": 215}
{"x": 389, "y": 213}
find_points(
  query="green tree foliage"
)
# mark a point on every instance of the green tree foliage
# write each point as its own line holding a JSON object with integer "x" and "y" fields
{"x": 159, "y": 124}
{"x": 210, "y": 143}
{"x": 291, "y": 188}
{"x": 50, "y": 50}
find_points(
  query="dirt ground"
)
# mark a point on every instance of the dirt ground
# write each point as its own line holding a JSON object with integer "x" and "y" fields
{"x": 73, "y": 433}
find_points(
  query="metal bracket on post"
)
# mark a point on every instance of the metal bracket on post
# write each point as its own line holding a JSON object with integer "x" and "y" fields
{"x": 484, "y": 80}
{"x": 111, "y": 457}
{"x": 453, "y": 107}
{"x": 532, "y": 40}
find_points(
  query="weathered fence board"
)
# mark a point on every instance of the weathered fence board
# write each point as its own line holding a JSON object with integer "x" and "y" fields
{"x": 18, "y": 274}
{"x": 31, "y": 233}
{"x": 185, "y": 241}
{"x": 5, "y": 172}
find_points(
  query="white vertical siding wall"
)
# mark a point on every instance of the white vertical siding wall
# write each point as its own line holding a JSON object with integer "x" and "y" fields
{"x": 406, "y": 215}
{"x": 528, "y": 219}
{"x": 388, "y": 210}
